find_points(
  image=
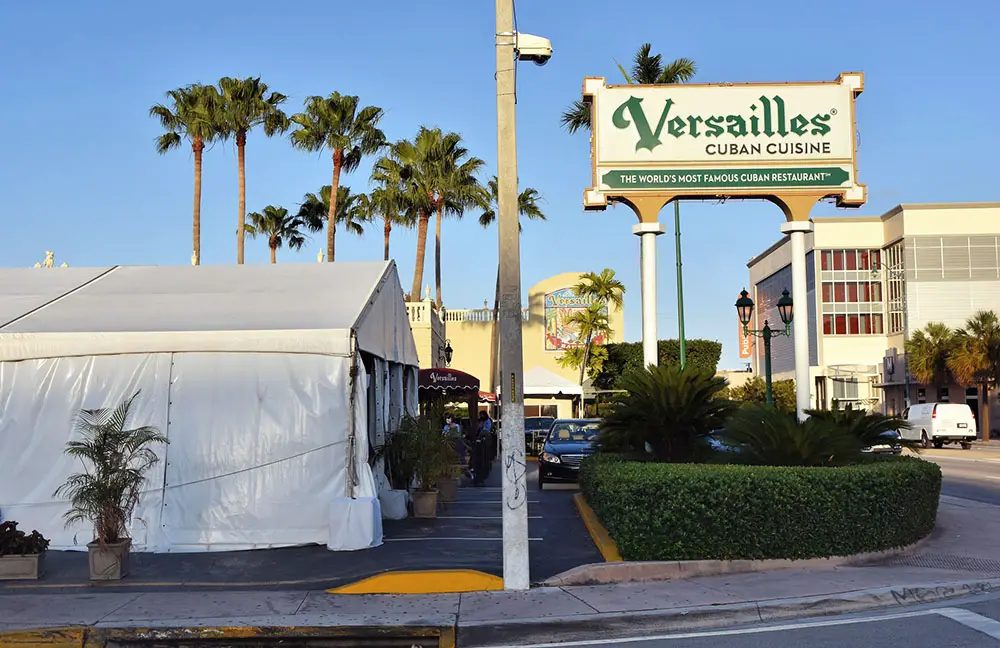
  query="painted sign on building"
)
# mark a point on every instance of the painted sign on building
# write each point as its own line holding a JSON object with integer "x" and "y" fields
{"x": 560, "y": 332}
{"x": 725, "y": 139}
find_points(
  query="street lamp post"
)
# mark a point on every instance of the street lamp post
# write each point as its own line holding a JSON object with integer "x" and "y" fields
{"x": 744, "y": 308}
{"x": 898, "y": 271}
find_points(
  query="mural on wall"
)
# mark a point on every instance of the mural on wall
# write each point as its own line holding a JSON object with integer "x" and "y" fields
{"x": 560, "y": 332}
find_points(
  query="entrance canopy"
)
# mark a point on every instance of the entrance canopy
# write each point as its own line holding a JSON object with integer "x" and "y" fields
{"x": 539, "y": 381}
{"x": 447, "y": 382}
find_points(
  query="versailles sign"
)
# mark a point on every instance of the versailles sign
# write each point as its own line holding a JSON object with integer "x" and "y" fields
{"x": 739, "y": 140}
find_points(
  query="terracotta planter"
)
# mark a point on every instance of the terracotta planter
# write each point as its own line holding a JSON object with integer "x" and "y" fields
{"x": 448, "y": 489}
{"x": 26, "y": 567}
{"x": 425, "y": 504}
{"x": 110, "y": 562}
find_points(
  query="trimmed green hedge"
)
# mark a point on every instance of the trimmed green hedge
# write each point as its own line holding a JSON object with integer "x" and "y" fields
{"x": 659, "y": 511}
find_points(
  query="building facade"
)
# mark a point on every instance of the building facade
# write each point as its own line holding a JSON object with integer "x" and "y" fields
{"x": 550, "y": 388}
{"x": 872, "y": 282}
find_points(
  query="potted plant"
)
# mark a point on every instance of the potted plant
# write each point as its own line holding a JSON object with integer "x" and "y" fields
{"x": 115, "y": 459}
{"x": 433, "y": 457}
{"x": 21, "y": 555}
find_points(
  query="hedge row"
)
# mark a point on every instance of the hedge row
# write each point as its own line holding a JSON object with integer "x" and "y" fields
{"x": 657, "y": 511}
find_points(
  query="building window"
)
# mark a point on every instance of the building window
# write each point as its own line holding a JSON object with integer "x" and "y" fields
{"x": 894, "y": 287}
{"x": 921, "y": 396}
{"x": 943, "y": 395}
{"x": 851, "y": 296}
{"x": 845, "y": 389}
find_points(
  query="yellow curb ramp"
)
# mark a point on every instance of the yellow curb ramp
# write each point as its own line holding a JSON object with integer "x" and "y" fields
{"x": 441, "y": 581}
{"x": 605, "y": 544}
{"x": 75, "y": 637}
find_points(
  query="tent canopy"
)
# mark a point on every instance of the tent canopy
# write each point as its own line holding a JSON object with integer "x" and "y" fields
{"x": 287, "y": 308}
{"x": 539, "y": 381}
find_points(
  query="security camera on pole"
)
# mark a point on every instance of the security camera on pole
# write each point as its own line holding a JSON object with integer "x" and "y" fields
{"x": 512, "y": 47}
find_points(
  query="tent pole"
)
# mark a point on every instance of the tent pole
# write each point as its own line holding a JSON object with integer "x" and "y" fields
{"x": 351, "y": 479}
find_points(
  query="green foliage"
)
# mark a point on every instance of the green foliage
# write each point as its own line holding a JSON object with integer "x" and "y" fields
{"x": 658, "y": 511}
{"x": 768, "y": 436}
{"x": 573, "y": 356}
{"x": 527, "y": 204}
{"x": 928, "y": 350}
{"x": 865, "y": 426}
{"x": 668, "y": 408}
{"x": 420, "y": 451}
{"x": 279, "y": 228}
{"x": 115, "y": 459}
{"x": 754, "y": 391}
{"x": 19, "y": 543}
{"x": 336, "y": 123}
{"x": 194, "y": 114}
{"x": 624, "y": 357}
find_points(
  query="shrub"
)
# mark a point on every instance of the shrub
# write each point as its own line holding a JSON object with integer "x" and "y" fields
{"x": 755, "y": 391}
{"x": 625, "y": 357}
{"x": 669, "y": 409}
{"x": 660, "y": 511}
{"x": 19, "y": 543}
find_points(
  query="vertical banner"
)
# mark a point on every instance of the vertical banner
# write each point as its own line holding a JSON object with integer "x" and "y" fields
{"x": 746, "y": 342}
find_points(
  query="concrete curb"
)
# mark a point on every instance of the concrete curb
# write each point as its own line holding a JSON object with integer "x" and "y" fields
{"x": 593, "y": 627}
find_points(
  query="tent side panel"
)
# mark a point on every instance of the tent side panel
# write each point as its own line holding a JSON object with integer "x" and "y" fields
{"x": 39, "y": 403}
{"x": 258, "y": 450}
{"x": 384, "y": 328}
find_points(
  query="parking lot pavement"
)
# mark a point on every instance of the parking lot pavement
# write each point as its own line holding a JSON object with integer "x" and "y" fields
{"x": 466, "y": 535}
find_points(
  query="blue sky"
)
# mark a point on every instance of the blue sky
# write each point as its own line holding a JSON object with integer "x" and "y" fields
{"x": 79, "y": 174}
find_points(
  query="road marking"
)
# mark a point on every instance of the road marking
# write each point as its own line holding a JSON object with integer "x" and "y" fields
{"x": 481, "y": 502}
{"x": 481, "y": 517}
{"x": 972, "y": 620}
{"x": 437, "y": 539}
{"x": 723, "y": 633}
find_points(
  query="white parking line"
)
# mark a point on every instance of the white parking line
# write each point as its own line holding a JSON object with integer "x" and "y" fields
{"x": 481, "y": 517}
{"x": 972, "y": 620}
{"x": 435, "y": 538}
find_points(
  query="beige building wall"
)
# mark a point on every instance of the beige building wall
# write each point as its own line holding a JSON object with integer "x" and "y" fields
{"x": 470, "y": 331}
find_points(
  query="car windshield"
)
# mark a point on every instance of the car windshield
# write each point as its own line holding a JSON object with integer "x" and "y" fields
{"x": 537, "y": 423}
{"x": 574, "y": 431}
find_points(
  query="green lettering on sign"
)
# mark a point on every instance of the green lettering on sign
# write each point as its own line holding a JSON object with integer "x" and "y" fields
{"x": 725, "y": 178}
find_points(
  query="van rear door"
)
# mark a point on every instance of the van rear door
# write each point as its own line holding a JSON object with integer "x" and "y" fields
{"x": 954, "y": 420}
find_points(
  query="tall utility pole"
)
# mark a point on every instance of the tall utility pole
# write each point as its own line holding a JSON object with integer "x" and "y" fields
{"x": 680, "y": 283}
{"x": 515, "y": 485}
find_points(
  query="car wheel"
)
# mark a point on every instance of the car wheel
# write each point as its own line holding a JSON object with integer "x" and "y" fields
{"x": 924, "y": 441}
{"x": 938, "y": 444}
{"x": 966, "y": 445}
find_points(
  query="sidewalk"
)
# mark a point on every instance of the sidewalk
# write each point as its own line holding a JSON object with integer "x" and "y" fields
{"x": 956, "y": 561}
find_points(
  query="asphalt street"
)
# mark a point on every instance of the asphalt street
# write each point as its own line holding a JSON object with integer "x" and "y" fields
{"x": 974, "y": 624}
{"x": 971, "y": 474}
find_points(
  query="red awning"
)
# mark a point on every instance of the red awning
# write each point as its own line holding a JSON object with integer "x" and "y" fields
{"x": 448, "y": 381}
{"x": 487, "y": 397}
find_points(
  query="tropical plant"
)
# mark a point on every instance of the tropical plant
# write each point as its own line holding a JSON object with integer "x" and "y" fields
{"x": 279, "y": 227}
{"x": 625, "y": 357}
{"x": 116, "y": 459}
{"x": 754, "y": 391}
{"x": 247, "y": 104}
{"x": 336, "y": 123}
{"x": 19, "y": 543}
{"x": 647, "y": 69}
{"x": 387, "y": 203}
{"x": 420, "y": 451}
{"x": 353, "y": 210}
{"x": 431, "y": 175}
{"x": 603, "y": 290}
{"x": 573, "y": 358}
{"x": 667, "y": 409}
{"x": 527, "y": 204}
{"x": 867, "y": 427}
{"x": 975, "y": 359}
{"x": 193, "y": 116}
{"x": 927, "y": 353}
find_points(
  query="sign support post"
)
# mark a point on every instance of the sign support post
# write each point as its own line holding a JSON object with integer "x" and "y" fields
{"x": 680, "y": 284}
{"x": 647, "y": 233}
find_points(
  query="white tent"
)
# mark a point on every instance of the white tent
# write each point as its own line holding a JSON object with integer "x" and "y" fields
{"x": 539, "y": 381}
{"x": 259, "y": 376}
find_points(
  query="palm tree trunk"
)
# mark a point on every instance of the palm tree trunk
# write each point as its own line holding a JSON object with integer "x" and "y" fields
{"x": 985, "y": 406}
{"x": 388, "y": 229}
{"x": 198, "y": 146}
{"x": 241, "y": 145}
{"x": 437, "y": 253}
{"x": 331, "y": 217}
{"x": 274, "y": 255}
{"x": 583, "y": 364}
{"x": 418, "y": 269}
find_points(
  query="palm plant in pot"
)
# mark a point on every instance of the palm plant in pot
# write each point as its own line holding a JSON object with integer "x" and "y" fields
{"x": 116, "y": 459}
{"x": 433, "y": 457}
{"x": 21, "y": 554}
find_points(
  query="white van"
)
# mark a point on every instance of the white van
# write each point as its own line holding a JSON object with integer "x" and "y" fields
{"x": 940, "y": 423}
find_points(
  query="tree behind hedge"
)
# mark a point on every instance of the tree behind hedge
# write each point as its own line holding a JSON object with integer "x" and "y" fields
{"x": 625, "y": 357}
{"x": 755, "y": 391}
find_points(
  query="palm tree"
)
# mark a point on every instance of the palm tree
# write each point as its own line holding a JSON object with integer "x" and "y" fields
{"x": 975, "y": 359}
{"x": 193, "y": 115}
{"x": 927, "y": 353}
{"x": 387, "y": 203}
{"x": 431, "y": 175}
{"x": 646, "y": 70}
{"x": 605, "y": 291}
{"x": 527, "y": 205}
{"x": 247, "y": 104}
{"x": 279, "y": 227}
{"x": 351, "y": 209}
{"x": 336, "y": 123}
